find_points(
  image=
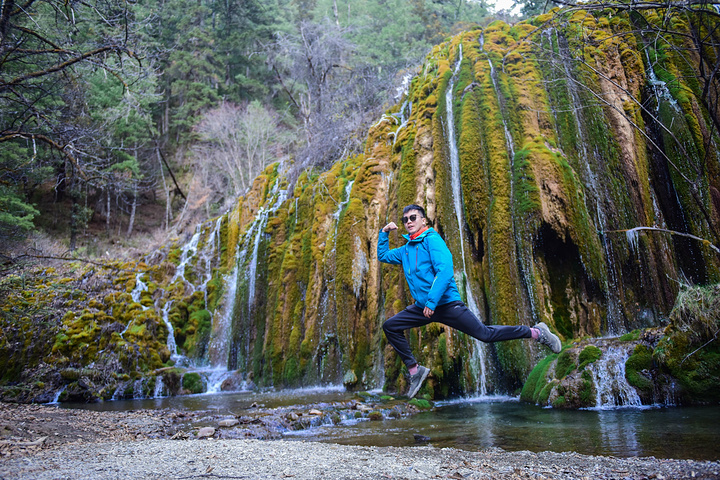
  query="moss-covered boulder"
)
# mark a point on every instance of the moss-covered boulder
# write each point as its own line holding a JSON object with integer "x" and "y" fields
{"x": 690, "y": 349}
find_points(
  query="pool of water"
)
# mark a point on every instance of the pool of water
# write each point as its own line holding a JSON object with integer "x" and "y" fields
{"x": 480, "y": 423}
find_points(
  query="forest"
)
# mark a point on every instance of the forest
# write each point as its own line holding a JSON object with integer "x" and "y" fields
{"x": 121, "y": 121}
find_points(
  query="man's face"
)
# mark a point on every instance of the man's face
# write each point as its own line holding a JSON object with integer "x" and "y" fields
{"x": 413, "y": 221}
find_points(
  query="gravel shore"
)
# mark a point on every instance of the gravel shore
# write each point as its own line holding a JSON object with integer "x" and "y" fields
{"x": 40, "y": 442}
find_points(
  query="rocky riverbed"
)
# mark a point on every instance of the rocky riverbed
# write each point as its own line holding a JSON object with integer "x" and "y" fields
{"x": 47, "y": 442}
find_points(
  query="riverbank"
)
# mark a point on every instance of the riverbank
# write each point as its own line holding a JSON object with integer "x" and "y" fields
{"x": 45, "y": 442}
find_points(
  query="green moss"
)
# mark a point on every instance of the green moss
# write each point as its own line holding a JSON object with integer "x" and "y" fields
{"x": 565, "y": 365}
{"x": 689, "y": 350}
{"x": 590, "y": 354}
{"x": 544, "y": 394}
{"x": 537, "y": 380}
{"x": 420, "y": 403}
{"x": 587, "y": 390}
{"x": 407, "y": 190}
{"x": 193, "y": 382}
{"x": 630, "y": 336}
{"x": 640, "y": 360}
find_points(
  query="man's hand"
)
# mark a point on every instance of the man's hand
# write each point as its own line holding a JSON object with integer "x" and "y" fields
{"x": 428, "y": 313}
{"x": 390, "y": 227}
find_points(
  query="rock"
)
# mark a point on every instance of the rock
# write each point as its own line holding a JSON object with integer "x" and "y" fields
{"x": 233, "y": 383}
{"x": 350, "y": 379}
{"x": 228, "y": 422}
{"x": 180, "y": 436}
{"x": 206, "y": 432}
{"x": 375, "y": 415}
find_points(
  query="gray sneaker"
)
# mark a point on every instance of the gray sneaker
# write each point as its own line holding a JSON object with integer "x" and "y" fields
{"x": 417, "y": 380}
{"x": 548, "y": 338}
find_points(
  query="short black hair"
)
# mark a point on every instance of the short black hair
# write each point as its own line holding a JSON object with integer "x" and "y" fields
{"x": 414, "y": 207}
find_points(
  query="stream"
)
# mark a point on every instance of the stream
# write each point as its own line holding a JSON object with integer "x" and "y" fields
{"x": 483, "y": 422}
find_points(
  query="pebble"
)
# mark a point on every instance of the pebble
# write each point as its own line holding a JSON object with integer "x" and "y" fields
{"x": 300, "y": 460}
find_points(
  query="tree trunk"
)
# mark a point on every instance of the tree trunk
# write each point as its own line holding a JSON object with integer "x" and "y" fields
{"x": 132, "y": 209}
{"x": 73, "y": 224}
{"x": 168, "y": 204}
{"x": 107, "y": 212}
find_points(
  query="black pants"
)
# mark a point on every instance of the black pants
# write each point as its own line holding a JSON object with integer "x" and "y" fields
{"x": 453, "y": 314}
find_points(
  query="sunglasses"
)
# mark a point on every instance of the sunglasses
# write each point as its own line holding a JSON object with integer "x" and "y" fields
{"x": 411, "y": 218}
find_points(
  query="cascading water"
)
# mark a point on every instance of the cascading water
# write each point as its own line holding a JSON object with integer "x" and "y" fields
{"x": 660, "y": 88}
{"x": 171, "y": 344}
{"x": 219, "y": 347}
{"x": 402, "y": 118}
{"x": 608, "y": 372}
{"x": 140, "y": 287}
{"x": 586, "y": 158}
{"x": 136, "y": 294}
{"x": 479, "y": 354}
{"x": 188, "y": 252}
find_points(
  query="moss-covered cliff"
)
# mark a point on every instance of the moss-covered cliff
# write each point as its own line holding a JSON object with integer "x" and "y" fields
{"x": 564, "y": 138}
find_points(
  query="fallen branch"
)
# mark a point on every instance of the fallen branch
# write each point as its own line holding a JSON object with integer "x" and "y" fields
{"x": 672, "y": 232}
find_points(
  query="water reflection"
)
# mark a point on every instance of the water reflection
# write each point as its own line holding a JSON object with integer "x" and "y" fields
{"x": 617, "y": 434}
{"x": 480, "y": 423}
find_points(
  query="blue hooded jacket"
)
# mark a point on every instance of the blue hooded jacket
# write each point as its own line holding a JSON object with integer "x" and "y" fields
{"x": 428, "y": 267}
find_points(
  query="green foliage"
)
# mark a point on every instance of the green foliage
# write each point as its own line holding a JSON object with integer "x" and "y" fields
{"x": 16, "y": 215}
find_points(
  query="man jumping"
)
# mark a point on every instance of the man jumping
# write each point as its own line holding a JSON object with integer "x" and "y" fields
{"x": 428, "y": 267}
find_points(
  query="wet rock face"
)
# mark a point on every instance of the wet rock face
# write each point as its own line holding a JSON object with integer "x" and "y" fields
{"x": 675, "y": 365}
{"x": 286, "y": 289}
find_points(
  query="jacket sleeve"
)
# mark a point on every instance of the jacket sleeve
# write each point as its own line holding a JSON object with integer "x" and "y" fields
{"x": 442, "y": 262}
{"x": 384, "y": 253}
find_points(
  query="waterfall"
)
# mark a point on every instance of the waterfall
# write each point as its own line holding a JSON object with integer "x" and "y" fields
{"x": 172, "y": 346}
{"x": 608, "y": 372}
{"x": 219, "y": 344}
{"x": 188, "y": 252}
{"x": 660, "y": 88}
{"x": 402, "y": 118}
{"x": 509, "y": 142}
{"x": 56, "y": 397}
{"x": 479, "y": 353}
{"x": 136, "y": 296}
{"x": 209, "y": 253}
{"x": 140, "y": 287}
{"x": 252, "y": 268}
{"x": 614, "y": 314}
{"x": 221, "y": 338}
{"x": 159, "y": 387}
